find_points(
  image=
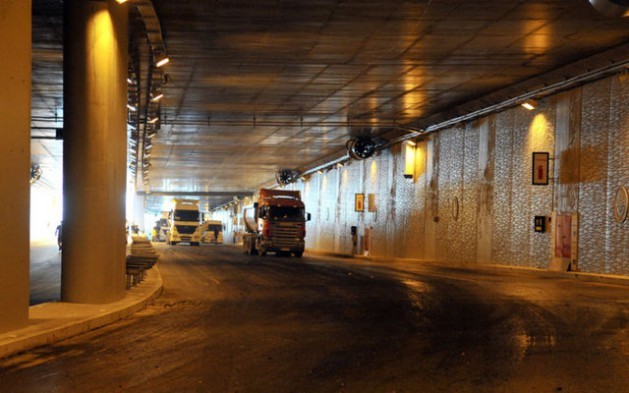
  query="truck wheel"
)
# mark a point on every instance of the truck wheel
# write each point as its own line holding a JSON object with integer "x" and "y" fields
{"x": 298, "y": 254}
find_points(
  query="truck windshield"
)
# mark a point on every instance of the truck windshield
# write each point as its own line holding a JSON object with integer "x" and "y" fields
{"x": 287, "y": 213}
{"x": 186, "y": 215}
{"x": 215, "y": 228}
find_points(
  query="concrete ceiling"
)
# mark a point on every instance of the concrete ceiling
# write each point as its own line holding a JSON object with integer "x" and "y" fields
{"x": 256, "y": 86}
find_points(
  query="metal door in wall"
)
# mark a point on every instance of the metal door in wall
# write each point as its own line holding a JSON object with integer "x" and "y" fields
{"x": 367, "y": 241}
{"x": 564, "y": 241}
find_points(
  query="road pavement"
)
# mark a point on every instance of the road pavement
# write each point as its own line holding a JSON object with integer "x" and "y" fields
{"x": 228, "y": 322}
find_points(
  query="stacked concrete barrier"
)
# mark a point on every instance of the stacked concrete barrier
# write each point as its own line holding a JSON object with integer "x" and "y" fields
{"x": 142, "y": 256}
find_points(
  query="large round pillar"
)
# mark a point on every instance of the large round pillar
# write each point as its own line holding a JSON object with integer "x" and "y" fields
{"x": 15, "y": 156}
{"x": 94, "y": 158}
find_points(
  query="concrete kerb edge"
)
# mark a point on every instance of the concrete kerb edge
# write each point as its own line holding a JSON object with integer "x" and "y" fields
{"x": 61, "y": 332}
{"x": 582, "y": 276}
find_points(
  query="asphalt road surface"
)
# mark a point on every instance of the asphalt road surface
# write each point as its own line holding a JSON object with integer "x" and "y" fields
{"x": 227, "y": 322}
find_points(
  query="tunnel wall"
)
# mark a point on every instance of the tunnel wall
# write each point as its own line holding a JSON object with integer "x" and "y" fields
{"x": 472, "y": 200}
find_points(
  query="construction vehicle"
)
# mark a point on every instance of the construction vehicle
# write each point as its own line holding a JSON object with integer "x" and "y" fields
{"x": 184, "y": 223}
{"x": 162, "y": 227}
{"x": 213, "y": 232}
{"x": 275, "y": 223}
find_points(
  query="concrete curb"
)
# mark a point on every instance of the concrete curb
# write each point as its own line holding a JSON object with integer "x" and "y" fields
{"x": 52, "y": 322}
{"x": 581, "y": 276}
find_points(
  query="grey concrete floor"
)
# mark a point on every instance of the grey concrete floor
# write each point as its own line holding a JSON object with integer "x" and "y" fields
{"x": 227, "y": 322}
{"x": 45, "y": 272}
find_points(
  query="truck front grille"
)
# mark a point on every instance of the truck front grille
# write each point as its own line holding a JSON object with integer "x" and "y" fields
{"x": 186, "y": 229}
{"x": 285, "y": 235}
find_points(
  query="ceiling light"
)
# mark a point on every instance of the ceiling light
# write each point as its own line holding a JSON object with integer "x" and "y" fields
{"x": 529, "y": 104}
{"x": 158, "y": 96}
{"x": 161, "y": 60}
{"x": 153, "y": 120}
{"x": 132, "y": 108}
{"x": 121, "y": 1}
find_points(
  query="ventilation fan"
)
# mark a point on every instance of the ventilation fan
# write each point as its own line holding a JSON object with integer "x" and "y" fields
{"x": 361, "y": 148}
{"x": 286, "y": 176}
{"x": 35, "y": 173}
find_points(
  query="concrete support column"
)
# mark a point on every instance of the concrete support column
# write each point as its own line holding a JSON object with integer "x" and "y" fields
{"x": 94, "y": 161}
{"x": 15, "y": 156}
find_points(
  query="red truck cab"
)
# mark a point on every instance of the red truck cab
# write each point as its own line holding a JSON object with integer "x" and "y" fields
{"x": 276, "y": 223}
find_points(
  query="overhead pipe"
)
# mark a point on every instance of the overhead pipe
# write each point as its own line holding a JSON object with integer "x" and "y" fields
{"x": 614, "y": 67}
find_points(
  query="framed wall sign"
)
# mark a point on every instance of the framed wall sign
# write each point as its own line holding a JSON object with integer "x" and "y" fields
{"x": 540, "y": 168}
{"x": 359, "y": 203}
{"x": 371, "y": 203}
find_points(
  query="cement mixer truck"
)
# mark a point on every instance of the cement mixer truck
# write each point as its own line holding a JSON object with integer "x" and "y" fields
{"x": 275, "y": 223}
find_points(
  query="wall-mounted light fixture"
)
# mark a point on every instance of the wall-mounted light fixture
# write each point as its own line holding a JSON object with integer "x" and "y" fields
{"x": 121, "y": 1}
{"x": 530, "y": 104}
{"x": 611, "y": 8}
{"x": 408, "y": 153}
